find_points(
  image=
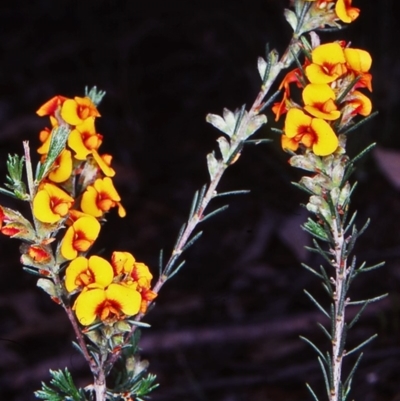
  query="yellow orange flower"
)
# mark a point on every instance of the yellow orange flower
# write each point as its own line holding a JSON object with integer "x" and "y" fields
{"x": 328, "y": 64}
{"x": 360, "y": 103}
{"x": 109, "y": 305}
{"x": 345, "y": 11}
{"x": 51, "y": 106}
{"x": 83, "y": 139}
{"x": 45, "y": 138}
{"x": 312, "y": 132}
{"x": 100, "y": 198}
{"x": 76, "y": 111}
{"x": 79, "y": 237}
{"x": 104, "y": 163}
{"x": 62, "y": 167}
{"x": 141, "y": 274}
{"x": 358, "y": 60}
{"x": 94, "y": 272}
{"x": 51, "y": 203}
{"x": 122, "y": 262}
{"x": 139, "y": 278}
{"x": 319, "y": 101}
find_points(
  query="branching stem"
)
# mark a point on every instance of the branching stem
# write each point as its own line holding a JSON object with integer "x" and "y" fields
{"x": 237, "y": 142}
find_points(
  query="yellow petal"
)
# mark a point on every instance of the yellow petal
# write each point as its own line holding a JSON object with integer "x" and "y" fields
{"x": 128, "y": 299}
{"x": 74, "y": 269}
{"x": 102, "y": 271}
{"x": 122, "y": 262}
{"x": 86, "y": 305}
{"x": 328, "y": 53}
{"x": 326, "y": 140}
{"x": 289, "y": 143}
{"x": 295, "y": 122}
{"x": 358, "y": 60}
{"x": 75, "y": 142}
{"x": 345, "y": 12}
{"x": 106, "y": 186}
{"x": 67, "y": 249}
{"x": 319, "y": 101}
{"x": 63, "y": 167}
{"x": 104, "y": 167}
{"x": 362, "y": 104}
{"x": 89, "y": 202}
{"x": 88, "y": 227}
{"x": 41, "y": 208}
{"x": 327, "y": 64}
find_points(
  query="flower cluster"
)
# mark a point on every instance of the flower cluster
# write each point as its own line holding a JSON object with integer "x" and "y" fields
{"x": 108, "y": 291}
{"x": 329, "y": 80}
{"x": 72, "y": 197}
{"x": 62, "y": 197}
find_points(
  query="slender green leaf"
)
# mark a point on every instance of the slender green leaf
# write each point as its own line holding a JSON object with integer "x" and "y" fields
{"x": 240, "y": 192}
{"x": 194, "y": 204}
{"x": 312, "y": 392}
{"x": 325, "y": 331}
{"x": 270, "y": 100}
{"x": 315, "y": 302}
{"x": 311, "y": 270}
{"x": 213, "y": 213}
{"x": 360, "y": 123}
{"x": 369, "y": 268}
{"x": 160, "y": 262}
{"x": 371, "y": 300}
{"x": 361, "y": 345}
{"x": 176, "y": 270}
{"x": 347, "y": 383}
{"x": 314, "y": 347}
{"x": 326, "y": 380}
{"x": 192, "y": 241}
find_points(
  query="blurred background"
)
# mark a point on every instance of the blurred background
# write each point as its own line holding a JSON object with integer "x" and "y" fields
{"x": 227, "y": 327}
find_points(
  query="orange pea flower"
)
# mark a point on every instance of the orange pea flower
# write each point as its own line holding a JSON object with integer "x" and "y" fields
{"x": 312, "y": 132}
{"x": 84, "y": 139}
{"x": 122, "y": 262}
{"x": 345, "y": 11}
{"x": 51, "y": 203}
{"x": 109, "y": 305}
{"x": 51, "y": 106}
{"x": 79, "y": 237}
{"x": 45, "y": 138}
{"x": 319, "y": 100}
{"x": 360, "y": 103}
{"x": 62, "y": 167}
{"x": 100, "y": 198}
{"x": 76, "y": 111}
{"x": 328, "y": 64}
{"x": 358, "y": 60}
{"x": 94, "y": 272}
{"x": 104, "y": 163}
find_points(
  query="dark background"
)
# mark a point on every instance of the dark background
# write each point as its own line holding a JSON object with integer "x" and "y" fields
{"x": 227, "y": 327}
